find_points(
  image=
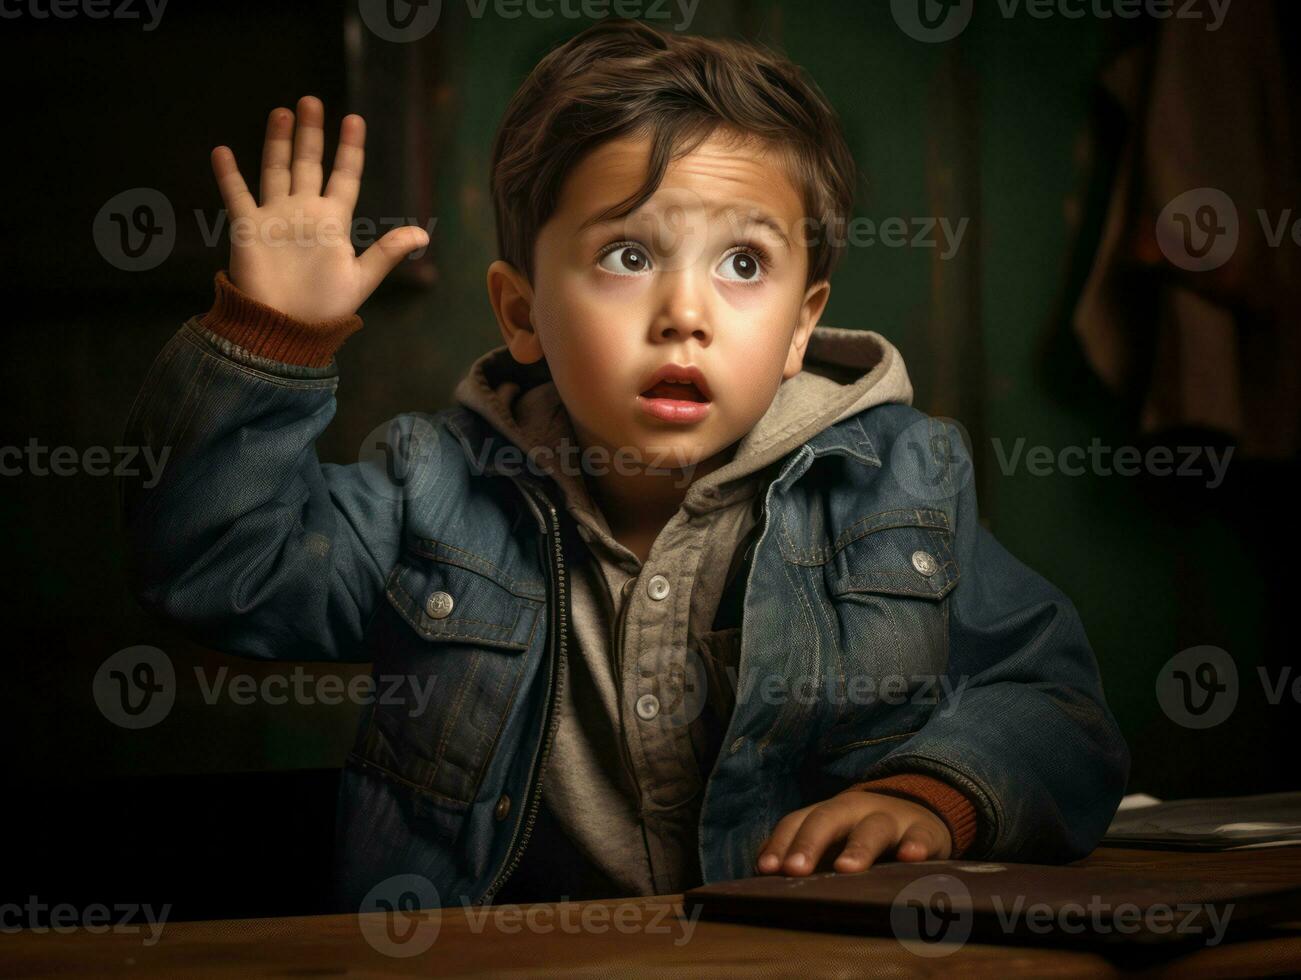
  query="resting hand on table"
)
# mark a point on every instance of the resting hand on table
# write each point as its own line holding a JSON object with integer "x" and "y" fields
{"x": 869, "y": 825}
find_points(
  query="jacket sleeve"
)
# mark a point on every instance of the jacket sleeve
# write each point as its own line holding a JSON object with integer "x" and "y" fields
{"x": 246, "y": 540}
{"x": 950, "y": 805}
{"x": 1025, "y": 734}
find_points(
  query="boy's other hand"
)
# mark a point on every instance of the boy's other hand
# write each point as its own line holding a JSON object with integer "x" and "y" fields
{"x": 871, "y": 825}
{"x": 294, "y": 251}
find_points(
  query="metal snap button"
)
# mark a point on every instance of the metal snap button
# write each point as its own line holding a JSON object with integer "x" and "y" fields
{"x": 439, "y": 605}
{"x": 658, "y": 587}
{"x": 502, "y": 808}
{"x": 925, "y": 563}
{"x": 648, "y": 706}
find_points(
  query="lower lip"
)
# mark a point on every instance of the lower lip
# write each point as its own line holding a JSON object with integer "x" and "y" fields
{"x": 674, "y": 410}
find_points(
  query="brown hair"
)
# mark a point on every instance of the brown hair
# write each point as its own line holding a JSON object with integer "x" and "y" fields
{"x": 625, "y": 78}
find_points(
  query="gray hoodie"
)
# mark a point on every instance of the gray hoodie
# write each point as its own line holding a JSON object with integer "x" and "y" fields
{"x": 646, "y": 697}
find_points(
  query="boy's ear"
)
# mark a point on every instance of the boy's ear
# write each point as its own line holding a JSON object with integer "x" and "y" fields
{"x": 815, "y": 301}
{"x": 511, "y": 297}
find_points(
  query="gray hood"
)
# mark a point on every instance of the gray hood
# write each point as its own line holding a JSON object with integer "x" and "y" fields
{"x": 845, "y": 371}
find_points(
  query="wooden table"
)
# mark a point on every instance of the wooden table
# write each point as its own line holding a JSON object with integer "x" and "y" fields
{"x": 627, "y": 937}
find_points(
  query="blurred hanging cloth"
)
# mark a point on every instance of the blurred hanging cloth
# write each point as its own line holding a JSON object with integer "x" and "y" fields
{"x": 1192, "y": 304}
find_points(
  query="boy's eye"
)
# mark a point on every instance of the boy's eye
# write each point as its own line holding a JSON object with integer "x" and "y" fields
{"x": 741, "y": 266}
{"x": 625, "y": 260}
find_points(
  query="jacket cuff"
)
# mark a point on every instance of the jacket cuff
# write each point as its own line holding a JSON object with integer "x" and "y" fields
{"x": 949, "y": 804}
{"x": 266, "y": 332}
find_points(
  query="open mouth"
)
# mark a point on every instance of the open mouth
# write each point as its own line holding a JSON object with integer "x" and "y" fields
{"x": 678, "y": 391}
{"x": 678, "y": 394}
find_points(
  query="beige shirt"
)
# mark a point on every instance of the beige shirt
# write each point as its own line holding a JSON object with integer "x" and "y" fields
{"x": 625, "y": 777}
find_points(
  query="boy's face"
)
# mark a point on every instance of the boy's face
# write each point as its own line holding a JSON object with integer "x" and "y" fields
{"x": 709, "y": 273}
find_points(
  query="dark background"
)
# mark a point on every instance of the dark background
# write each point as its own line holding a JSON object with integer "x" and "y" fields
{"x": 225, "y": 809}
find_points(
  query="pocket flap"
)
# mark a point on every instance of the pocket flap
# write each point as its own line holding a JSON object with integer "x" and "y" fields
{"x": 450, "y": 595}
{"x": 907, "y": 552}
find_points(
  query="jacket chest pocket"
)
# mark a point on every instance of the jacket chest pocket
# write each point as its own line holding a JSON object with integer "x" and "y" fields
{"x": 887, "y": 580}
{"x": 452, "y": 646}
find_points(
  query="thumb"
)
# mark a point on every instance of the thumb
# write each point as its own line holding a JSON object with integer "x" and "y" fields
{"x": 382, "y": 257}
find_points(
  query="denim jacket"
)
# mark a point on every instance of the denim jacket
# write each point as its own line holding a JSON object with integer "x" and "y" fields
{"x": 927, "y": 647}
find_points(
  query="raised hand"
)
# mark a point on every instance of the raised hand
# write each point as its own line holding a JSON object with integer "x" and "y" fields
{"x": 293, "y": 252}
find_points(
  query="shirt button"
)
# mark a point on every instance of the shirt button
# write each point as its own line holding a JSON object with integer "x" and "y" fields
{"x": 925, "y": 563}
{"x": 648, "y": 706}
{"x": 628, "y": 586}
{"x": 658, "y": 587}
{"x": 502, "y": 808}
{"x": 736, "y": 745}
{"x": 439, "y": 605}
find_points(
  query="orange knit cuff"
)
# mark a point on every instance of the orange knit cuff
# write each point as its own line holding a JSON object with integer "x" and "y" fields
{"x": 949, "y": 804}
{"x": 266, "y": 332}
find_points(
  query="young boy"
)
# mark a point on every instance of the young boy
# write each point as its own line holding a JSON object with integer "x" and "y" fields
{"x": 697, "y": 594}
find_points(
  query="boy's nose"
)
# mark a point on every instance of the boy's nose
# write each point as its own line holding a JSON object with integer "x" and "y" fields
{"x": 682, "y": 314}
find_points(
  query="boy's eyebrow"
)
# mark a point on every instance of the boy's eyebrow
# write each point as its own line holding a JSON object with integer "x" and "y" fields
{"x": 759, "y": 218}
{"x": 754, "y": 217}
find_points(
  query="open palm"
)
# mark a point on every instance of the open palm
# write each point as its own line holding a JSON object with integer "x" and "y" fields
{"x": 294, "y": 252}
